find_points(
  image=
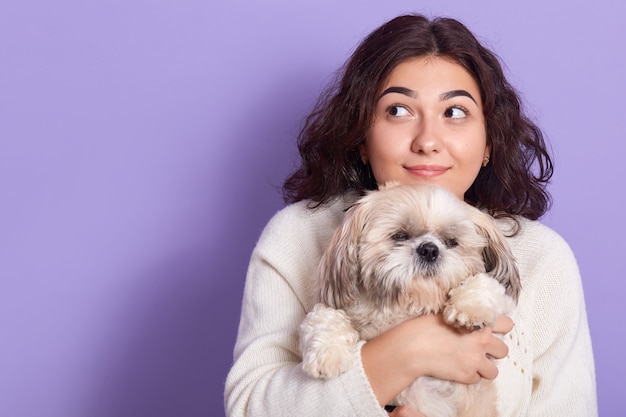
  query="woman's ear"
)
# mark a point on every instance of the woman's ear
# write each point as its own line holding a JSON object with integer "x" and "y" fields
{"x": 363, "y": 153}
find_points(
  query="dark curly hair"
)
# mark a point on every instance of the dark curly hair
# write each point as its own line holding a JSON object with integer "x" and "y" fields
{"x": 512, "y": 184}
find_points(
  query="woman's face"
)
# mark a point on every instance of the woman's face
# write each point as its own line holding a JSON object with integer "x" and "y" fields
{"x": 428, "y": 126}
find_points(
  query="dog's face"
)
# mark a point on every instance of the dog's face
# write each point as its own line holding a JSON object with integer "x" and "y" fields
{"x": 409, "y": 244}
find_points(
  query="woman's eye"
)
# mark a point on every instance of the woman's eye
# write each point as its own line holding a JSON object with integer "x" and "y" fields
{"x": 456, "y": 112}
{"x": 397, "y": 111}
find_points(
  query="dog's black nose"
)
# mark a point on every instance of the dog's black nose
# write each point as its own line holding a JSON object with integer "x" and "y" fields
{"x": 428, "y": 251}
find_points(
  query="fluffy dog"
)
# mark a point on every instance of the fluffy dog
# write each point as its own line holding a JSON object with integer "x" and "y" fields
{"x": 404, "y": 251}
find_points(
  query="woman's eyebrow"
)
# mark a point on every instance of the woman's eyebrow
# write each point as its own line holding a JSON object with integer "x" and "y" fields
{"x": 402, "y": 90}
{"x": 455, "y": 93}
{"x": 444, "y": 96}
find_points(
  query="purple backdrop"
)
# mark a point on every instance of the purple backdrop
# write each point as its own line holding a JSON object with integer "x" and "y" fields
{"x": 141, "y": 147}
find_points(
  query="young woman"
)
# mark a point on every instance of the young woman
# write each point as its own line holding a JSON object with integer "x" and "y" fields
{"x": 420, "y": 102}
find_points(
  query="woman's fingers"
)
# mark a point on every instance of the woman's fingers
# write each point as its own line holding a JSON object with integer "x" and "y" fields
{"x": 503, "y": 325}
{"x": 481, "y": 364}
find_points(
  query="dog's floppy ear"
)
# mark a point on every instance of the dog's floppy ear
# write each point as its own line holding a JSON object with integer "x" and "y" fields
{"x": 340, "y": 269}
{"x": 499, "y": 261}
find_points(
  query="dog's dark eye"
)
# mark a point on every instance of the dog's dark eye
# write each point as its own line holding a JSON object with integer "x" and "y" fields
{"x": 451, "y": 243}
{"x": 400, "y": 236}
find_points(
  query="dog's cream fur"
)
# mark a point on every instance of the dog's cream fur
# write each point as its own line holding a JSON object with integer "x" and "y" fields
{"x": 402, "y": 252}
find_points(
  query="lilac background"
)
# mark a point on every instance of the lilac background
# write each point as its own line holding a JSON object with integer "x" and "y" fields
{"x": 141, "y": 147}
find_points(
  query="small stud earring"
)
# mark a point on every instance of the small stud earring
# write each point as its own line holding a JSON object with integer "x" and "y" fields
{"x": 485, "y": 161}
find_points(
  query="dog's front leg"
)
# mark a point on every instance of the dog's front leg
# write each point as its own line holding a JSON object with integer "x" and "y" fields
{"x": 477, "y": 302}
{"x": 328, "y": 342}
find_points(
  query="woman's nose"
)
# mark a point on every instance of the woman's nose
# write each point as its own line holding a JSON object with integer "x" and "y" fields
{"x": 426, "y": 136}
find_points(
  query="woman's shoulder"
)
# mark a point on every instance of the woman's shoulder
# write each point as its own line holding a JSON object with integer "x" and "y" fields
{"x": 535, "y": 234}
{"x": 537, "y": 247}
{"x": 303, "y": 223}
{"x": 294, "y": 241}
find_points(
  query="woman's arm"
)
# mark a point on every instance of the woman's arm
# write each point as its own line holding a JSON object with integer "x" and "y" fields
{"x": 266, "y": 378}
{"x": 563, "y": 365}
{"x": 428, "y": 346}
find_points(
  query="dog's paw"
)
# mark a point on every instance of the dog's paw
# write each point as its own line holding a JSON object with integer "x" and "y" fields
{"x": 477, "y": 302}
{"x": 328, "y": 342}
{"x": 463, "y": 319}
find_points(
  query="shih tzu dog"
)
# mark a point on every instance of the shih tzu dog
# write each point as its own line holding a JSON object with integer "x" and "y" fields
{"x": 404, "y": 251}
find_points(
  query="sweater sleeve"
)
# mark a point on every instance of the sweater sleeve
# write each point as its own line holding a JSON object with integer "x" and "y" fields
{"x": 563, "y": 375}
{"x": 266, "y": 378}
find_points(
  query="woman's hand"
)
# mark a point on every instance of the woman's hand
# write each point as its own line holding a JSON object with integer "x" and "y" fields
{"x": 461, "y": 356}
{"x": 426, "y": 345}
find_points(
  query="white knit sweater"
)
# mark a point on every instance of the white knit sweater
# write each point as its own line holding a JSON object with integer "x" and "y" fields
{"x": 549, "y": 371}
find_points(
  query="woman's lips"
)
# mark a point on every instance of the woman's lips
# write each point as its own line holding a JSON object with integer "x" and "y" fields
{"x": 427, "y": 171}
